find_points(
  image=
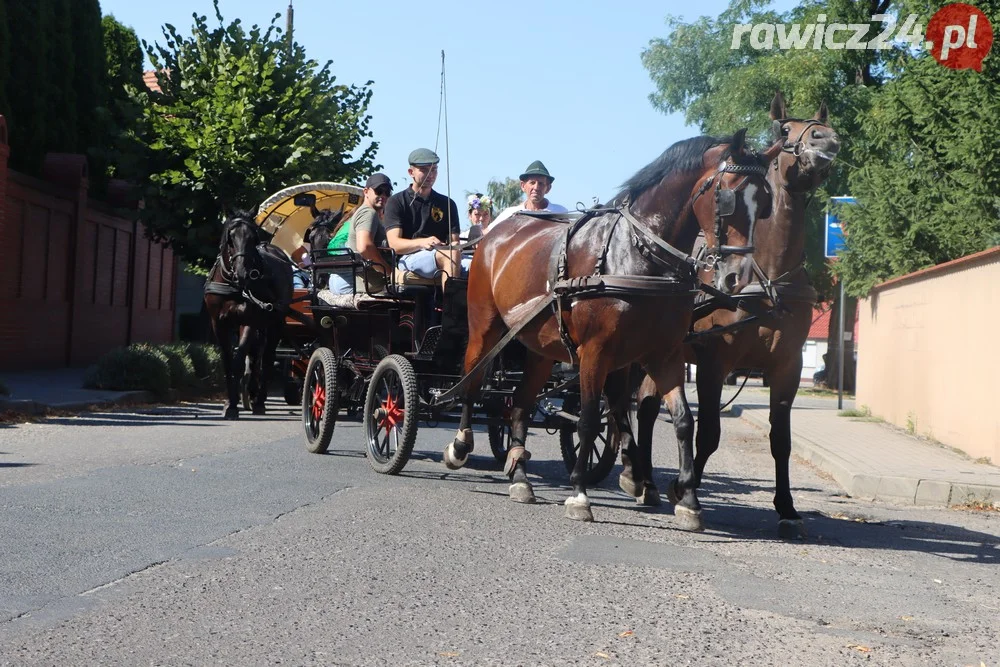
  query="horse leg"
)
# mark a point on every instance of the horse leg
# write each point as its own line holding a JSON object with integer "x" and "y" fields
{"x": 456, "y": 454}
{"x": 711, "y": 375}
{"x": 669, "y": 378}
{"x": 537, "y": 370}
{"x": 633, "y": 479}
{"x": 593, "y": 377}
{"x": 265, "y": 353}
{"x": 223, "y": 331}
{"x": 784, "y": 386}
{"x": 648, "y": 400}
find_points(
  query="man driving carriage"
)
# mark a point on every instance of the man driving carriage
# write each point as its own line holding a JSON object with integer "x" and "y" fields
{"x": 422, "y": 225}
{"x": 536, "y": 181}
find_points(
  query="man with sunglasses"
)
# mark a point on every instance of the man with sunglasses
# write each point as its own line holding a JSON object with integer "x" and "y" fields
{"x": 366, "y": 232}
{"x": 420, "y": 223}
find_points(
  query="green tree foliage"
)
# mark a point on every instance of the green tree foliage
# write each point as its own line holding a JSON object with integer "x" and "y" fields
{"x": 89, "y": 88}
{"x": 928, "y": 170}
{"x": 124, "y": 150}
{"x": 26, "y": 115}
{"x": 504, "y": 193}
{"x": 239, "y": 118}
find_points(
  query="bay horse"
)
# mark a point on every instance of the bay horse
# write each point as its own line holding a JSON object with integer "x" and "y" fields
{"x": 773, "y": 275}
{"x": 247, "y": 295}
{"x": 614, "y": 288}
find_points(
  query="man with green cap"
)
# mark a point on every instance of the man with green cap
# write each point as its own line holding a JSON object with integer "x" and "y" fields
{"x": 536, "y": 181}
{"x": 420, "y": 223}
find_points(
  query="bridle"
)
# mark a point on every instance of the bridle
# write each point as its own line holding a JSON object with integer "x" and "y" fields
{"x": 228, "y": 272}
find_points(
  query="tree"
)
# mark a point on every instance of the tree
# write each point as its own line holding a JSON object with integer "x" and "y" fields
{"x": 241, "y": 115}
{"x": 504, "y": 193}
{"x": 928, "y": 171}
{"x": 123, "y": 153}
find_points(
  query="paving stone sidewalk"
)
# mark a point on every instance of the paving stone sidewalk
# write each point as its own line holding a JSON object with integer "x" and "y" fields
{"x": 875, "y": 461}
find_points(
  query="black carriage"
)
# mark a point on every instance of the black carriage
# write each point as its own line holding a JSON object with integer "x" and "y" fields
{"x": 390, "y": 356}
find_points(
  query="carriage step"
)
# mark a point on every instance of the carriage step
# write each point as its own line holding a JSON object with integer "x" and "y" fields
{"x": 431, "y": 338}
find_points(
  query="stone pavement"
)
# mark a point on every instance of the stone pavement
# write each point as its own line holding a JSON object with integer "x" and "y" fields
{"x": 59, "y": 389}
{"x": 876, "y": 461}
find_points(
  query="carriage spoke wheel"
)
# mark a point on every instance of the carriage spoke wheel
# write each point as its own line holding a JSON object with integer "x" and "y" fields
{"x": 604, "y": 453}
{"x": 498, "y": 429}
{"x": 320, "y": 400}
{"x": 392, "y": 409}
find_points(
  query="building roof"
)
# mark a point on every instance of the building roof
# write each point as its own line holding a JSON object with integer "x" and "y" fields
{"x": 149, "y": 78}
{"x": 819, "y": 330}
{"x": 985, "y": 256}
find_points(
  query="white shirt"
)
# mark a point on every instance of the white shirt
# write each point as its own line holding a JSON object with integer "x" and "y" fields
{"x": 517, "y": 208}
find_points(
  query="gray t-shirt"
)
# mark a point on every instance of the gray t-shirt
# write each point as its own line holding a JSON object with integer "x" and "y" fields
{"x": 367, "y": 219}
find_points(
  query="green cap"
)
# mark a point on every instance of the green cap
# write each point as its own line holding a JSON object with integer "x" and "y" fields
{"x": 536, "y": 168}
{"x": 423, "y": 156}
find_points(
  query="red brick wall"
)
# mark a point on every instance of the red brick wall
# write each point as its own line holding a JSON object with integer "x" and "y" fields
{"x": 75, "y": 280}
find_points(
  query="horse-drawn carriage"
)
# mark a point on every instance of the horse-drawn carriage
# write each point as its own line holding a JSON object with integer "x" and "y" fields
{"x": 389, "y": 355}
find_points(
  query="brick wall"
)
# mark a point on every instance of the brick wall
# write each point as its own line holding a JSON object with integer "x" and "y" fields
{"x": 75, "y": 279}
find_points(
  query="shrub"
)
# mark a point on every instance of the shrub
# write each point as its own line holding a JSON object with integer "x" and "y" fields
{"x": 207, "y": 364}
{"x": 182, "y": 375}
{"x": 139, "y": 366}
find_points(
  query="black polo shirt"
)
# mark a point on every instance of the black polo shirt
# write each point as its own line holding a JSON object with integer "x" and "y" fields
{"x": 419, "y": 217}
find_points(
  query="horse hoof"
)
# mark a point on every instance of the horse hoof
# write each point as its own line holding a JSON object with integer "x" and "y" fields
{"x": 231, "y": 413}
{"x": 688, "y": 519}
{"x": 578, "y": 509}
{"x": 628, "y": 485}
{"x": 791, "y": 529}
{"x": 520, "y": 492}
{"x": 650, "y": 497}
{"x": 451, "y": 460}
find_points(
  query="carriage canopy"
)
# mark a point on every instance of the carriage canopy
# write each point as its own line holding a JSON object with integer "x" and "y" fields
{"x": 286, "y": 221}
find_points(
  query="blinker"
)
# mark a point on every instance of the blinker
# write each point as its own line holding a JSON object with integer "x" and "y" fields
{"x": 725, "y": 202}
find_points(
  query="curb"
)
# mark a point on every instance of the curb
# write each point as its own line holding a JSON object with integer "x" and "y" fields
{"x": 863, "y": 484}
{"x": 33, "y": 408}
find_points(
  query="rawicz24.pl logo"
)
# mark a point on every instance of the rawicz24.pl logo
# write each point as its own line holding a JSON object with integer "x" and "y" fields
{"x": 958, "y": 36}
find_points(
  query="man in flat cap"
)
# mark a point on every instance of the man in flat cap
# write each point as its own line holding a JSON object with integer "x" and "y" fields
{"x": 420, "y": 223}
{"x": 536, "y": 181}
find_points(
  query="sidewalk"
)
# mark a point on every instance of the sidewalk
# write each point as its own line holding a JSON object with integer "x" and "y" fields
{"x": 36, "y": 392}
{"x": 875, "y": 461}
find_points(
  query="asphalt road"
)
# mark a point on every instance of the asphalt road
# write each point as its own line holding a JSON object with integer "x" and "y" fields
{"x": 171, "y": 537}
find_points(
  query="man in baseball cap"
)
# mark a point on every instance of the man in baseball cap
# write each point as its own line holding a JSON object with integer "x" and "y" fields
{"x": 421, "y": 222}
{"x": 536, "y": 181}
{"x": 365, "y": 235}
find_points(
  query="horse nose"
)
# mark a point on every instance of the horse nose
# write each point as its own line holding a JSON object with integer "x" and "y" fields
{"x": 729, "y": 281}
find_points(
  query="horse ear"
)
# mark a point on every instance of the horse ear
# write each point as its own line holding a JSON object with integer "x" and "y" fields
{"x": 822, "y": 114}
{"x": 778, "y": 106}
{"x": 738, "y": 142}
{"x": 772, "y": 152}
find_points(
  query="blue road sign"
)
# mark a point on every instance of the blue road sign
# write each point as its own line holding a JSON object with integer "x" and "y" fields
{"x": 834, "y": 231}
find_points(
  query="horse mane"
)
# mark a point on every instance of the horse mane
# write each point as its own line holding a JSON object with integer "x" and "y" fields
{"x": 684, "y": 156}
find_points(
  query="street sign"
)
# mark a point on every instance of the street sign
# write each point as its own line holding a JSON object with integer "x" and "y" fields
{"x": 834, "y": 230}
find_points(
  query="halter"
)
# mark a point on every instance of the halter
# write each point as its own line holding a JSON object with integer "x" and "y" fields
{"x": 795, "y": 147}
{"x": 725, "y": 206}
{"x": 228, "y": 273}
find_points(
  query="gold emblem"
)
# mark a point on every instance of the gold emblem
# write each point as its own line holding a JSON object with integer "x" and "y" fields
{"x": 437, "y": 214}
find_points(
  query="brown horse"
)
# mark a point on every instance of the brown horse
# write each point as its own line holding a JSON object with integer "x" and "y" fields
{"x": 247, "y": 296}
{"x": 615, "y": 288}
{"x": 773, "y": 276}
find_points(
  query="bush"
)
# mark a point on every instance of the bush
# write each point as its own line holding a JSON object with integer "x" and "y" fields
{"x": 207, "y": 364}
{"x": 139, "y": 366}
{"x": 182, "y": 375}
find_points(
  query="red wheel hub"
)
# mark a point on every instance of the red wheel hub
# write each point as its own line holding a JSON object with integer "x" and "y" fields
{"x": 393, "y": 413}
{"x": 318, "y": 401}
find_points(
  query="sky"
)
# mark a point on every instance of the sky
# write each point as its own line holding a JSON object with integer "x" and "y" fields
{"x": 559, "y": 81}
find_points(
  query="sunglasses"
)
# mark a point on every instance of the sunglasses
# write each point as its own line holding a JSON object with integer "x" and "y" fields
{"x": 383, "y": 190}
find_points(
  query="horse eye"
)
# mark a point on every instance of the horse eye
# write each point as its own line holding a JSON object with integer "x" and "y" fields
{"x": 785, "y": 129}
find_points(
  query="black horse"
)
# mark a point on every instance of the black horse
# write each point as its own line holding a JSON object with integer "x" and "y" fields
{"x": 247, "y": 297}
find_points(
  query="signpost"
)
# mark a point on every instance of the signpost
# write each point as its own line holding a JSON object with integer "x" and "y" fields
{"x": 835, "y": 242}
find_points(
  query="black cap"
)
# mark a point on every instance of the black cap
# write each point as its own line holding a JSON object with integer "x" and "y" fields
{"x": 377, "y": 180}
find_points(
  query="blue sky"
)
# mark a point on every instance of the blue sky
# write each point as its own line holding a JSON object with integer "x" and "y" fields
{"x": 555, "y": 80}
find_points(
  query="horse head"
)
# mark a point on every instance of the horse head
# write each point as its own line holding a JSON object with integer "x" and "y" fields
{"x": 729, "y": 198}
{"x": 808, "y": 147}
{"x": 238, "y": 249}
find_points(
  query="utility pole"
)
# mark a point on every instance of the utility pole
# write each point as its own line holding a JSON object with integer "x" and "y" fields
{"x": 289, "y": 16}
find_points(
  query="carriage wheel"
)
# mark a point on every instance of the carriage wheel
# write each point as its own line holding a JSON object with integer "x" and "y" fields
{"x": 498, "y": 429}
{"x": 392, "y": 409}
{"x": 602, "y": 458}
{"x": 320, "y": 400}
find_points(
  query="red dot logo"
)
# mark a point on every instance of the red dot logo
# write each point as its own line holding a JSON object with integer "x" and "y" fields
{"x": 960, "y": 36}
